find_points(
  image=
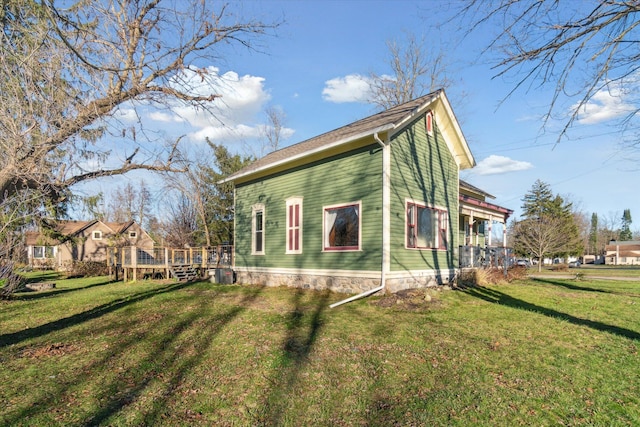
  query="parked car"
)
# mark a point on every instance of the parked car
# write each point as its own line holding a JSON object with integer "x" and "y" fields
{"x": 523, "y": 263}
{"x": 574, "y": 264}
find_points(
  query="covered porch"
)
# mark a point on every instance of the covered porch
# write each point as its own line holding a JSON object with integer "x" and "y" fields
{"x": 477, "y": 221}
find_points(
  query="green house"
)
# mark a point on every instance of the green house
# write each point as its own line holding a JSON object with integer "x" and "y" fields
{"x": 373, "y": 205}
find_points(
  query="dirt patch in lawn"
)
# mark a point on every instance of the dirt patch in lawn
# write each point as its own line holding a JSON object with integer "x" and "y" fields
{"x": 56, "y": 349}
{"x": 409, "y": 300}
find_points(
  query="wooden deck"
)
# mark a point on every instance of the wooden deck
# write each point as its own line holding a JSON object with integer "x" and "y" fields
{"x": 182, "y": 263}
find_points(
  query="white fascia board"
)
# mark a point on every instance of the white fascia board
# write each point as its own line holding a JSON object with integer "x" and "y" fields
{"x": 312, "y": 152}
{"x": 451, "y": 119}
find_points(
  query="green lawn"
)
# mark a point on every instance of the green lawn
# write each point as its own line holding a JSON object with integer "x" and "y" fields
{"x": 539, "y": 352}
{"x": 587, "y": 270}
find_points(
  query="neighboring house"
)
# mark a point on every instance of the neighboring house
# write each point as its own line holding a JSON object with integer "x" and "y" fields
{"x": 371, "y": 205}
{"x": 622, "y": 252}
{"x": 82, "y": 241}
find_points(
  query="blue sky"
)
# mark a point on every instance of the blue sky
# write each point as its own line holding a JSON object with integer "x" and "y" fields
{"x": 309, "y": 70}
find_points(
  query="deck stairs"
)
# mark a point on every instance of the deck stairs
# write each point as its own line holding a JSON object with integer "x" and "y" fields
{"x": 184, "y": 273}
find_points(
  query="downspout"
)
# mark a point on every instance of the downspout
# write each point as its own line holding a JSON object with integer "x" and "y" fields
{"x": 386, "y": 220}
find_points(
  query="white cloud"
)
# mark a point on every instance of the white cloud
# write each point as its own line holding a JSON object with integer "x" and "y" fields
{"x": 237, "y": 132}
{"x": 494, "y": 165}
{"x": 234, "y": 114}
{"x": 164, "y": 117}
{"x": 351, "y": 88}
{"x": 606, "y": 104}
{"x": 126, "y": 114}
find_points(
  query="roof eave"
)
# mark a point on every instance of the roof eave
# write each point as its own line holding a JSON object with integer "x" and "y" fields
{"x": 308, "y": 153}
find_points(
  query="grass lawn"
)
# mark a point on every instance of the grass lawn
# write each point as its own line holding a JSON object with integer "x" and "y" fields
{"x": 538, "y": 352}
{"x": 621, "y": 271}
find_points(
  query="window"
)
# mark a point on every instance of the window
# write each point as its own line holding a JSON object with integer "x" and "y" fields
{"x": 294, "y": 225}
{"x": 426, "y": 227}
{"x": 428, "y": 121}
{"x": 342, "y": 227}
{"x": 257, "y": 229}
{"x": 42, "y": 252}
{"x": 97, "y": 235}
{"x": 133, "y": 234}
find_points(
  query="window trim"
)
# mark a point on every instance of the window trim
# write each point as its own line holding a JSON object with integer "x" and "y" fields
{"x": 44, "y": 252}
{"x": 96, "y": 235}
{"x": 325, "y": 236}
{"x": 442, "y": 231}
{"x": 290, "y": 204}
{"x": 255, "y": 209}
{"x": 133, "y": 234}
{"x": 428, "y": 122}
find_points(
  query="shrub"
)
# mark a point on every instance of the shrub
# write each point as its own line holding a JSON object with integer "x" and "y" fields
{"x": 559, "y": 267}
{"x": 87, "y": 269}
{"x": 490, "y": 276}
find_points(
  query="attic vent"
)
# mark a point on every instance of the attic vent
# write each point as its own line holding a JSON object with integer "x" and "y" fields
{"x": 428, "y": 120}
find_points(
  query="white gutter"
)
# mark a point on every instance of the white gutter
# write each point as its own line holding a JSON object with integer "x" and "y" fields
{"x": 386, "y": 219}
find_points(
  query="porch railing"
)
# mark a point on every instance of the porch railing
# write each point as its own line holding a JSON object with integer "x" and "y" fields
{"x": 485, "y": 256}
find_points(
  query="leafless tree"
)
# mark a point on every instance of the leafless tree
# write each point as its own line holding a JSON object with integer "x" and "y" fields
{"x": 181, "y": 223}
{"x": 415, "y": 71}
{"x": 194, "y": 189}
{"x": 128, "y": 203}
{"x": 71, "y": 74}
{"x": 609, "y": 229}
{"x": 540, "y": 237}
{"x": 580, "y": 49}
{"x": 273, "y": 129}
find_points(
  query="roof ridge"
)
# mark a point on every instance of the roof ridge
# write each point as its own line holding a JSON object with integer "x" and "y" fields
{"x": 388, "y": 118}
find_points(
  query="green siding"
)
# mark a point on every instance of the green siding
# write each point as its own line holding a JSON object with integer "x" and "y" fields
{"x": 422, "y": 169}
{"x": 349, "y": 177}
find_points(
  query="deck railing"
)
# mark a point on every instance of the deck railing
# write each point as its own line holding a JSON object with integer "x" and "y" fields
{"x": 485, "y": 256}
{"x": 133, "y": 257}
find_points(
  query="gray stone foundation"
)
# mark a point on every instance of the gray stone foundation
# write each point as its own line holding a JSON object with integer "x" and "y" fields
{"x": 346, "y": 285}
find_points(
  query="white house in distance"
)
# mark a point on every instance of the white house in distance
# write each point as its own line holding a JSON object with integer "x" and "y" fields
{"x": 622, "y": 252}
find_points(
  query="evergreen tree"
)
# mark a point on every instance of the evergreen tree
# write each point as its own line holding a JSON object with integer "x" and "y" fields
{"x": 537, "y": 201}
{"x": 593, "y": 234}
{"x": 625, "y": 231}
{"x": 548, "y": 227}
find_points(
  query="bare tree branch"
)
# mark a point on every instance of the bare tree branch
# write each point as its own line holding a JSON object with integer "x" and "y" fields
{"x": 579, "y": 49}
{"x": 68, "y": 71}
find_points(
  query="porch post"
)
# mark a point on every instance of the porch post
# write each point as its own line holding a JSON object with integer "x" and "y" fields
{"x": 470, "y": 236}
{"x": 490, "y": 230}
{"x": 504, "y": 235}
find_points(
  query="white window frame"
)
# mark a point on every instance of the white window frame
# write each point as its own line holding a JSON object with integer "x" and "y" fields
{"x": 440, "y": 243}
{"x": 96, "y": 235}
{"x": 255, "y": 209}
{"x": 44, "y": 252}
{"x": 428, "y": 123}
{"x": 293, "y": 231}
{"x": 133, "y": 234}
{"x": 326, "y": 228}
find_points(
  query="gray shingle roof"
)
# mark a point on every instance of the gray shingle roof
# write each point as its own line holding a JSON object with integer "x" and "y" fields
{"x": 473, "y": 188}
{"x": 380, "y": 122}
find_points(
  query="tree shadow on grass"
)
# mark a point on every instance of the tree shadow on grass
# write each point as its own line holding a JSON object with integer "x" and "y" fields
{"x": 96, "y": 312}
{"x": 178, "y": 344}
{"x": 495, "y": 296}
{"x": 304, "y": 324}
{"x": 29, "y": 295}
{"x": 178, "y": 361}
{"x": 44, "y": 276}
{"x": 573, "y": 287}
